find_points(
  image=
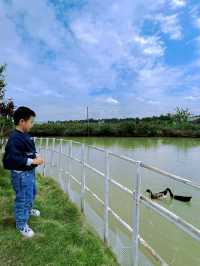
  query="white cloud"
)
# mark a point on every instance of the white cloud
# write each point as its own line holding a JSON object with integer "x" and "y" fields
{"x": 19, "y": 90}
{"x": 86, "y": 31}
{"x": 178, "y": 3}
{"x": 150, "y": 45}
{"x": 195, "y": 15}
{"x": 39, "y": 21}
{"x": 144, "y": 100}
{"x": 111, "y": 100}
{"x": 194, "y": 94}
{"x": 170, "y": 25}
{"x": 192, "y": 98}
{"x": 197, "y": 22}
{"x": 56, "y": 62}
{"x": 48, "y": 92}
{"x": 141, "y": 99}
{"x": 153, "y": 102}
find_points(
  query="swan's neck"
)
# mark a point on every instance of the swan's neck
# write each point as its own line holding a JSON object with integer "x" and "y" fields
{"x": 170, "y": 192}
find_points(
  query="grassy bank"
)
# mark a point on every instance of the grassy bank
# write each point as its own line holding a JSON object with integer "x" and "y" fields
{"x": 62, "y": 238}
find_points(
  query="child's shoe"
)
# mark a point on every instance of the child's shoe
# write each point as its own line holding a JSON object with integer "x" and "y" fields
{"x": 27, "y": 232}
{"x": 34, "y": 212}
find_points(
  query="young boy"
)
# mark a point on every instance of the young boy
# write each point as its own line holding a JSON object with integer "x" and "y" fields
{"x": 21, "y": 158}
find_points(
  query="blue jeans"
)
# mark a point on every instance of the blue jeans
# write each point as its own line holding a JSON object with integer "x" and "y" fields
{"x": 24, "y": 186}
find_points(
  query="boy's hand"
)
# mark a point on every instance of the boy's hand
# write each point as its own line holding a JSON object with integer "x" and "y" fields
{"x": 39, "y": 160}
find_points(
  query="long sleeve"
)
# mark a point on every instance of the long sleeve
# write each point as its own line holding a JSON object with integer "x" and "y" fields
{"x": 15, "y": 156}
{"x": 29, "y": 161}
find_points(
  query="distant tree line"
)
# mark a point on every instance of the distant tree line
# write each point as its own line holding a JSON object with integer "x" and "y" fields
{"x": 169, "y": 125}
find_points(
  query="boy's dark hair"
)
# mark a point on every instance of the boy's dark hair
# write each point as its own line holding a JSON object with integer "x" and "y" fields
{"x": 22, "y": 112}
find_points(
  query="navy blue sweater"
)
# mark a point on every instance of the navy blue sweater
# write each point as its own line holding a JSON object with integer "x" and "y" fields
{"x": 19, "y": 147}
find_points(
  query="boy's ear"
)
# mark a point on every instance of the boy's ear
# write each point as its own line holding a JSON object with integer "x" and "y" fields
{"x": 22, "y": 120}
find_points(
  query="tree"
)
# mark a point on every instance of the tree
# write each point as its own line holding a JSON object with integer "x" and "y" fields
{"x": 2, "y": 82}
{"x": 6, "y": 107}
{"x": 182, "y": 115}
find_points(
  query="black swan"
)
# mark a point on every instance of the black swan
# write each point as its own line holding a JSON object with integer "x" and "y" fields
{"x": 177, "y": 197}
{"x": 157, "y": 195}
{"x": 162, "y": 194}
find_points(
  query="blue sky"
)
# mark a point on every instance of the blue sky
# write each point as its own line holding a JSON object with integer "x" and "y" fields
{"x": 121, "y": 58}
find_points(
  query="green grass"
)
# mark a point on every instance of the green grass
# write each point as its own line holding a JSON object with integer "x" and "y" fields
{"x": 62, "y": 237}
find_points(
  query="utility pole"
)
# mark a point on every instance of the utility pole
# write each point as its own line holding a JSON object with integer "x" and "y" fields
{"x": 87, "y": 121}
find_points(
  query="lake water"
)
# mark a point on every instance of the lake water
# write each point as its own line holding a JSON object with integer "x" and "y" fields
{"x": 179, "y": 156}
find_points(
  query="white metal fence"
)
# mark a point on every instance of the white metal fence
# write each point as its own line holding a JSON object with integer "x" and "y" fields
{"x": 50, "y": 150}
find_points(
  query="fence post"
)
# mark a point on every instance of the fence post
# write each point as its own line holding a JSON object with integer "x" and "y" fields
{"x": 40, "y": 145}
{"x": 106, "y": 197}
{"x": 34, "y": 140}
{"x": 52, "y": 151}
{"x": 82, "y": 177}
{"x": 45, "y": 156}
{"x": 69, "y": 167}
{"x": 136, "y": 217}
{"x": 59, "y": 163}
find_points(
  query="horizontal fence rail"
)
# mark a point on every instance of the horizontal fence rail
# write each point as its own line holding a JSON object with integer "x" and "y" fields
{"x": 186, "y": 181}
{"x": 137, "y": 197}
